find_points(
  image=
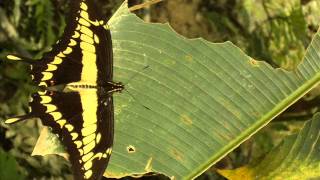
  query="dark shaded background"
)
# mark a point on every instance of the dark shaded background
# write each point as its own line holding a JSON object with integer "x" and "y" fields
{"x": 276, "y": 31}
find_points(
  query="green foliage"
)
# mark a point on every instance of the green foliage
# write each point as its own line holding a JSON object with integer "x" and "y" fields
{"x": 274, "y": 31}
{"x": 43, "y": 20}
{"x": 8, "y": 167}
{"x": 297, "y": 157}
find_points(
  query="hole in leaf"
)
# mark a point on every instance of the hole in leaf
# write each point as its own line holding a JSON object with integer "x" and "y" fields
{"x": 131, "y": 149}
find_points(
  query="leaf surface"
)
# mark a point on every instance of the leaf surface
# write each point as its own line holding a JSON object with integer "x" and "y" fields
{"x": 297, "y": 157}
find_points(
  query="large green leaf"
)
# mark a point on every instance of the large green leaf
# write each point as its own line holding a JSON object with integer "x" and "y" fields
{"x": 187, "y": 103}
{"x": 8, "y": 167}
{"x": 297, "y": 157}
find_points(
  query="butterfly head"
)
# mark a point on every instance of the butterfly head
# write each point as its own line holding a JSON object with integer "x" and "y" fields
{"x": 111, "y": 87}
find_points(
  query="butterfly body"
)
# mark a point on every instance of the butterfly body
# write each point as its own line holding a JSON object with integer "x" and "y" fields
{"x": 82, "y": 118}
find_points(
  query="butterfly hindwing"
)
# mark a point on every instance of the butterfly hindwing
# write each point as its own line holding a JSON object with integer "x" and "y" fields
{"x": 78, "y": 118}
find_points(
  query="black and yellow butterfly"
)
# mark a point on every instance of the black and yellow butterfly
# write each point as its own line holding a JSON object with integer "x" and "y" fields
{"x": 83, "y": 117}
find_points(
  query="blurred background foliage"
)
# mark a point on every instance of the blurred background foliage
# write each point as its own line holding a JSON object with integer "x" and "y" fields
{"x": 276, "y": 31}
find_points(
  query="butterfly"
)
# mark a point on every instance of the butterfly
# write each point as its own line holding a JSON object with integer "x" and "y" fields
{"x": 83, "y": 117}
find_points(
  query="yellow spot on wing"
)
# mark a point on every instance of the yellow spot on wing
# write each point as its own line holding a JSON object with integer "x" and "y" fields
{"x": 106, "y": 26}
{"x": 86, "y": 38}
{"x": 14, "y": 58}
{"x": 87, "y": 148}
{"x": 98, "y": 138}
{"x": 74, "y": 136}
{"x": 69, "y": 127}
{"x": 83, "y": 6}
{"x": 96, "y": 39}
{"x": 84, "y": 22}
{"x": 72, "y": 42}
{"x": 51, "y": 67}
{"x": 45, "y": 99}
{"x": 78, "y": 144}
{"x": 84, "y": 14}
{"x": 98, "y": 155}
{"x": 109, "y": 151}
{"x": 61, "y": 55}
{"x": 62, "y": 122}
{"x": 43, "y": 84}
{"x": 88, "y": 174}
{"x": 89, "y": 138}
{"x": 56, "y": 115}
{"x": 96, "y": 23}
{"x": 11, "y": 120}
{"x": 42, "y": 93}
{"x": 80, "y": 152}
{"x": 76, "y": 35}
{"x": 87, "y": 47}
{"x": 87, "y": 165}
{"x": 89, "y": 130}
{"x": 88, "y": 156}
{"x": 67, "y": 51}
{"x": 50, "y": 107}
{"x": 86, "y": 31}
{"x": 56, "y": 60}
{"x": 46, "y": 76}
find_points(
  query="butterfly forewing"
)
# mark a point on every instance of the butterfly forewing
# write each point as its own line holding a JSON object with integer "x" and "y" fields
{"x": 84, "y": 51}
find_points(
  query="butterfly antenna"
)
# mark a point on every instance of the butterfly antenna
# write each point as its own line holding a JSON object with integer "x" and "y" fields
{"x": 12, "y": 57}
{"x": 137, "y": 100}
{"x": 136, "y": 74}
{"x": 132, "y": 77}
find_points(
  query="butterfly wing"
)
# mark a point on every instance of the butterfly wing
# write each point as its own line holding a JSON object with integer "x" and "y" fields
{"x": 79, "y": 120}
{"x": 84, "y": 53}
{"x": 82, "y": 119}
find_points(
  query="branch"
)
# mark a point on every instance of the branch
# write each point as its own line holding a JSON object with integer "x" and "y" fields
{"x": 143, "y": 5}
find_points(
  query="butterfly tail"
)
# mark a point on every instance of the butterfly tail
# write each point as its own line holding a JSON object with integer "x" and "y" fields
{"x": 17, "y": 119}
{"x": 12, "y": 57}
